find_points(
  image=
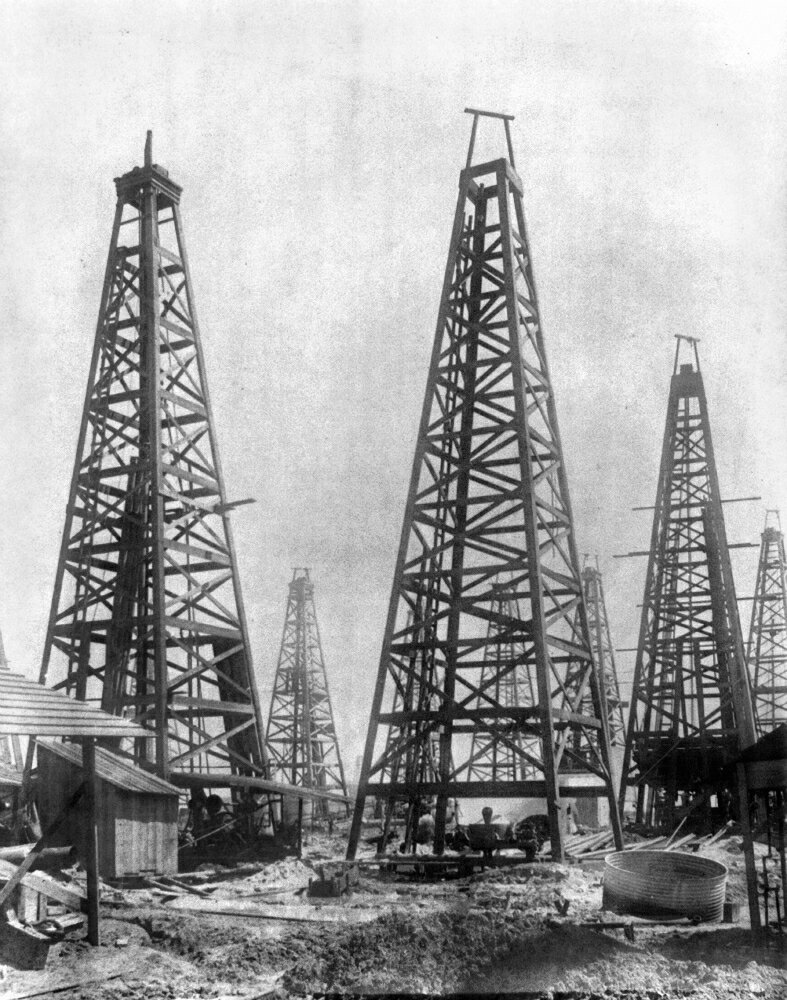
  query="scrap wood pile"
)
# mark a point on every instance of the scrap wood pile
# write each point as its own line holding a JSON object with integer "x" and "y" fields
{"x": 596, "y": 846}
{"x": 35, "y": 911}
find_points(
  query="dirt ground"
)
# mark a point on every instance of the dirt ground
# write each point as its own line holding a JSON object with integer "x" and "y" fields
{"x": 506, "y": 930}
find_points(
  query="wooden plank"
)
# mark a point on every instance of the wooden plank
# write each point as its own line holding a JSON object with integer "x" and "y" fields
{"x": 675, "y": 832}
{"x": 718, "y": 835}
{"x": 294, "y": 914}
{"x": 682, "y": 842}
{"x": 47, "y": 886}
{"x": 589, "y": 842}
{"x": 47, "y": 987}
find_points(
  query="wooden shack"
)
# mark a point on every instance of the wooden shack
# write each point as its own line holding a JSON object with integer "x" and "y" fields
{"x": 137, "y": 811}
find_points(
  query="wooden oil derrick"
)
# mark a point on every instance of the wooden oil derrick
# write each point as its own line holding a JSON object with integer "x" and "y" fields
{"x": 691, "y": 711}
{"x": 767, "y": 650}
{"x": 147, "y": 618}
{"x": 301, "y": 736}
{"x": 488, "y": 498}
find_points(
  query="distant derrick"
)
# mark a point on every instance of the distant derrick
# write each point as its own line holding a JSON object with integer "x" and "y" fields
{"x": 603, "y": 651}
{"x": 767, "y": 650}
{"x": 301, "y": 736}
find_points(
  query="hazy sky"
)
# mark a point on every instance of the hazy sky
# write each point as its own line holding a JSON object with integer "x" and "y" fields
{"x": 319, "y": 146}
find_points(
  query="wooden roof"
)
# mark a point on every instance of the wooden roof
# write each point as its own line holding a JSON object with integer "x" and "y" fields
{"x": 114, "y": 769}
{"x": 30, "y": 709}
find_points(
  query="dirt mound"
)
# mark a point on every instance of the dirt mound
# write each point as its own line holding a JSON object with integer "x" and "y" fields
{"x": 406, "y": 953}
{"x": 289, "y": 872}
{"x": 580, "y": 961}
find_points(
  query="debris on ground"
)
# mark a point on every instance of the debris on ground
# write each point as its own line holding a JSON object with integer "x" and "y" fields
{"x": 535, "y": 927}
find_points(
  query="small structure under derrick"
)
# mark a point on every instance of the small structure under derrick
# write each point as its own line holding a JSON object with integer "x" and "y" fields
{"x": 137, "y": 812}
{"x": 30, "y": 709}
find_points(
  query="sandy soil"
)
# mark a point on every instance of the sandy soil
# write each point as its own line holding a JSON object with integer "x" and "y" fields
{"x": 505, "y": 930}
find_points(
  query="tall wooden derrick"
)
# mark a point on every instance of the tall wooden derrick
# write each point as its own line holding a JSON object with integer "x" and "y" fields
{"x": 691, "y": 710}
{"x": 603, "y": 651}
{"x": 301, "y": 736}
{"x": 147, "y": 618}
{"x": 767, "y": 651}
{"x": 488, "y": 499}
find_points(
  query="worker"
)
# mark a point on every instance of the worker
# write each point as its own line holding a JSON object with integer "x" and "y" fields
{"x": 424, "y": 834}
{"x": 488, "y": 849}
{"x": 198, "y": 813}
{"x": 527, "y": 840}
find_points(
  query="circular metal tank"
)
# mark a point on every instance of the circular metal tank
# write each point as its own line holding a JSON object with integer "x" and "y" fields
{"x": 664, "y": 884}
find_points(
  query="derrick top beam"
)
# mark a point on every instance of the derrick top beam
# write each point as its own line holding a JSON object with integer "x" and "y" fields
{"x": 506, "y": 119}
{"x": 130, "y": 185}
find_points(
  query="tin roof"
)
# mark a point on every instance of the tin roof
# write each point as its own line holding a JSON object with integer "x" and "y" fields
{"x": 113, "y": 769}
{"x": 30, "y": 709}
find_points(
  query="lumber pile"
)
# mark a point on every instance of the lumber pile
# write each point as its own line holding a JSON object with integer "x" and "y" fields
{"x": 596, "y": 846}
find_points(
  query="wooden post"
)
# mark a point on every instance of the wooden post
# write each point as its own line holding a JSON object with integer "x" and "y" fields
{"x": 91, "y": 839}
{"x": 748, "y": 849}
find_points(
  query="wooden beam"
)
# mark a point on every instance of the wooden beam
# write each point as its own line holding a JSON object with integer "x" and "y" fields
{"x": 91, "y": 843}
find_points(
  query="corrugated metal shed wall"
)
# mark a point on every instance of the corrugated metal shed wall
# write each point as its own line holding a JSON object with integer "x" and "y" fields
{"x": 137, "y": 831}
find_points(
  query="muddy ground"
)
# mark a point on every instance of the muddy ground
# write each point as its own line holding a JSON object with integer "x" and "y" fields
{"x": 519, "y": 929}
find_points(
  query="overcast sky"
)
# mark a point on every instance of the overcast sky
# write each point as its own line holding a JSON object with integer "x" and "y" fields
{"x": 319, "y": 146}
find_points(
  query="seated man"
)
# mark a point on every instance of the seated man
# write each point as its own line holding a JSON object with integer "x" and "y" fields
{"x": 486, "y": 815}
{"x": 424, "y": 834}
